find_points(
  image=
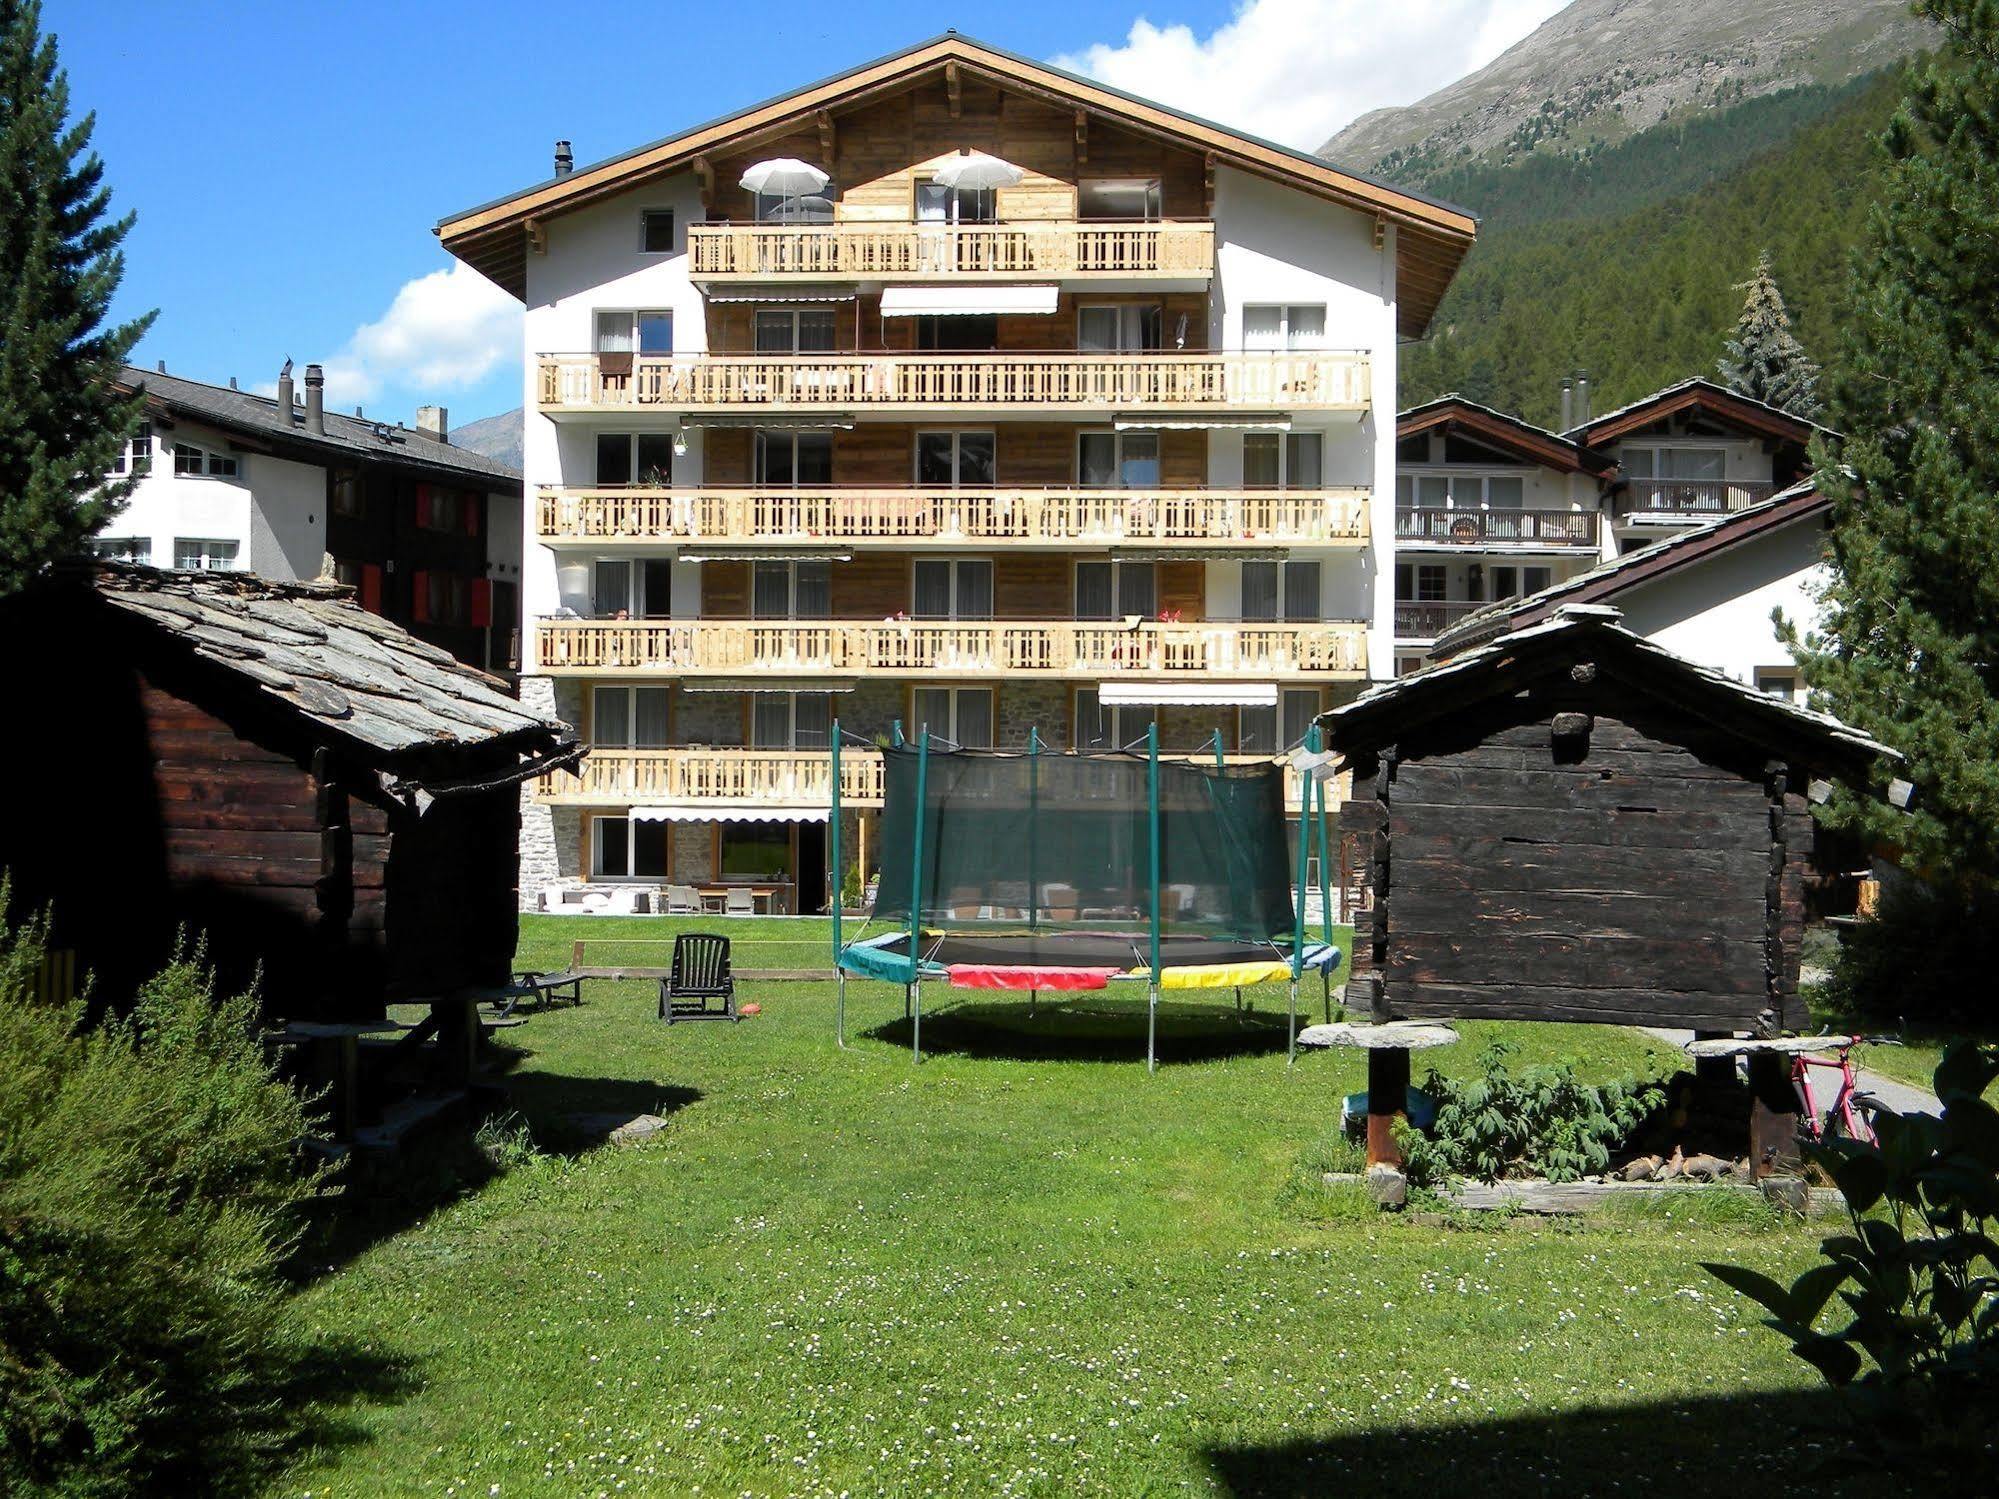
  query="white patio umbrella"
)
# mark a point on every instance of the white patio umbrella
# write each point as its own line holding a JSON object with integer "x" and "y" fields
{"x": 976, "y": 170}
{"x": 785, "y": 177}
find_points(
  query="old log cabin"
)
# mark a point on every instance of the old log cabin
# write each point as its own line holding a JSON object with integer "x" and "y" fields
{"x": 316, "y": 792}
{"x": 1572, "y": 823}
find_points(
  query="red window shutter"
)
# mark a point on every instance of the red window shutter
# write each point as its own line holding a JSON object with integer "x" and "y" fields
{"x": 472, "y": 505}
{"x": 423, "y": 505}
{"x": 420, "y": 596}
{"x": 482, "y": 602}
{"x": 371, "y": 587}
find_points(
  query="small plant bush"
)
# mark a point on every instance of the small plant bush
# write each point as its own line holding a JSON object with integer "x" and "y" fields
{"x": 1925, "y": 957}
{"x": 1540, "y": 1121}
{"x": 1904, "y": 1308}
{"x": 150, "y": 1192}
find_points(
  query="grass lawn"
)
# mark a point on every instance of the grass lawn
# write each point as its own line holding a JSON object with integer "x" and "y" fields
{"x": 1025, "y": 1267}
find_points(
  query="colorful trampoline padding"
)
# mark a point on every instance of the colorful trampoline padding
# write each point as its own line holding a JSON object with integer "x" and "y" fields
{"x": 1076, "y": 960}
{"x": 993, "y": 976}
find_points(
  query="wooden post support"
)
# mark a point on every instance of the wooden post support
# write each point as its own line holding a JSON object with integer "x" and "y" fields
{"x": 1387, "y": 1096}
{"x": 1713, "y": 1072}
{"x": 1773, "y": 1116}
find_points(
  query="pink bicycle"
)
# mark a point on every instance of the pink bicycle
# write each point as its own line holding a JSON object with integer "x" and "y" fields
{"x": 1851, "y": 1112}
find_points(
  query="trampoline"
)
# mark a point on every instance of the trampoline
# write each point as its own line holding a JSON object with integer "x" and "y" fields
{"x": 1069, "y": 871}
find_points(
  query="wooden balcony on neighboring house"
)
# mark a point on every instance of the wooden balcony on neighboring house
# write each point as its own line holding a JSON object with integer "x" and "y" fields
{"x": 1063, "y": 382}
{"x": 954, "y": 649}
{"x": 1420, "y": 620}
{"x": 914, "y": 516}
{"x": 768, "y": 780}
{"x": 1055, "y": 249}
{"x": 1498, "y": 529}
{"x": 1700, "y": 499}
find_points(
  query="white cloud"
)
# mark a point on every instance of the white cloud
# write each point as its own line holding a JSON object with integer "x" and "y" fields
{"x": 443, "y": 332}
{"x": 1296, "y": 71}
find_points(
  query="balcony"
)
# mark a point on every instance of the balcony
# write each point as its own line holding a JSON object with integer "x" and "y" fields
{"x": 915, "y": 517}
{"x": 797, "y": 781}
{"x": 1690, "y": 499}
{"x": 1067, "y": 384}
{"x": 1498, "y": 530}
{"x": 950, "y": 252}
{"x": 954, "y": 650}
{"x": 1426, "y": 620}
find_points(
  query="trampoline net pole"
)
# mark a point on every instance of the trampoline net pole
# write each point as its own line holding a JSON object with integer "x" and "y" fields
{"x": 1298, "y": 915}
{"x": 916, "y": 895}
{"x": 840, "y": 1006}
{"x": 1152, "y": 817}
{"x": 1315, "y": 741}
{"x": 834, "y": 874}
{"x": 1033, "y": 831}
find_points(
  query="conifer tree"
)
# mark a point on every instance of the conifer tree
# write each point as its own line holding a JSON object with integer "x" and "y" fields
{"x": 1909, "y": 641}
{"x": 1765, "y": 361}
{"x": 62, "y": 422}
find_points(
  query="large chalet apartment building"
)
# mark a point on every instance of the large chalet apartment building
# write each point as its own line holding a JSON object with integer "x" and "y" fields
{"x": 954, "y": 391}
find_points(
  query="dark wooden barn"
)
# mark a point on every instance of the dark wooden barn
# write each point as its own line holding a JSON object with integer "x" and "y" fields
{"x": 1572, "y": 823}
{"x": 326, "y": 799}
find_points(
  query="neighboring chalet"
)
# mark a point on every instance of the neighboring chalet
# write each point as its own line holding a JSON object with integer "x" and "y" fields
{"x": 1022, "y": 403}
{"x": 1489, "y": 507}
{"x": 326, "y": 800}
{"x": 426, "y": 534}
{"x": 1570, "y": 822}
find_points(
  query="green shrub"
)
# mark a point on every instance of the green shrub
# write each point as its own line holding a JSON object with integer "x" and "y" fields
{"x": 1916, "y": 1323}
{"x": 150, "y": 1192}
{"x": 1927, "y": 956}
{"x": 1540, "y": 1122}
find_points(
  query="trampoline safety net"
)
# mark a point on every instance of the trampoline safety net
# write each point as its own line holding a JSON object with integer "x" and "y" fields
{"x": 1064, "y": 839}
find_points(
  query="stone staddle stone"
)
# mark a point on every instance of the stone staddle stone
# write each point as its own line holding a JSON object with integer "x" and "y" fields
{"x": 1393, "y": 1036}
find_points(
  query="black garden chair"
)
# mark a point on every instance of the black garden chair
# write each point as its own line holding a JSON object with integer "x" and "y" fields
{"x": 699, "y": 979}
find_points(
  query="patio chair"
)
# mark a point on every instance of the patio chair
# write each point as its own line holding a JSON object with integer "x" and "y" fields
{"x": 738, "y": 903}
{"x": 699, "y": 978}
{"x": 683, "y": 900}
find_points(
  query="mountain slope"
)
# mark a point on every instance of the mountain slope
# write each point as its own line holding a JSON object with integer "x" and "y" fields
{"x": 1638, "y": 283}
{"x": 493, "y": 436}
{"x": 1602, "y": 70}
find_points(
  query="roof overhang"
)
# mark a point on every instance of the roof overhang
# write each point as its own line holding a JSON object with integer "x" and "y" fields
{"x": 1713, "y": 401}
{"x": 1431, "y": 238}
{"x": 1452, "y": 414}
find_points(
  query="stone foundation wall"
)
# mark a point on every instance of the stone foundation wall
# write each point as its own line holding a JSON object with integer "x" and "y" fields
{"x": 541, "y": 838}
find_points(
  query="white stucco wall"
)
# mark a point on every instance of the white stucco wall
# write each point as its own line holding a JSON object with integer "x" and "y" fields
{"x": 1717, "y": 612}
{"x": 274, "y": 509}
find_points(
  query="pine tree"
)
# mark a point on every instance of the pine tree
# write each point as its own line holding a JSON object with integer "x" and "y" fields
{"x": 1909, "y": 642}
{"x": 1765, "y": 361}
{"x": 62, "y": 422}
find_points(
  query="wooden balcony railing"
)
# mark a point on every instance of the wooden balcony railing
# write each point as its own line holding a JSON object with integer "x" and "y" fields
{"x": 770, "y": 780}
{"x": 1425, "y": 621}
{"x": 955, "y": 252}
{"x": 953, "y": 648}
{"x": 1698, "y": 497}
{"x": 1497, "y": 528}
{"x": 914, "y": 515}
{"x": 1331, "y": 381}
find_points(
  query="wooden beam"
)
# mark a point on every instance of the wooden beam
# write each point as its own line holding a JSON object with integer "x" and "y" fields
{"x": 704, "y": 173}
{"x": 826, "y": 136}
{"x": 537, "y": 236}
{"x": 1208, "y": 184}
{"x": 954, "y": 86}
{"x": 1380, "y": 231}
{"x": 1082, "y": 136}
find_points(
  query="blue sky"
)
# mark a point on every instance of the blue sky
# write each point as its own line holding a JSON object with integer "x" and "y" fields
{"x": 287, "y": 162}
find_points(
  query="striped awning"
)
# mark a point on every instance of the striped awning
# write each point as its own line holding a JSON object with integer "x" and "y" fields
{"x": 966, "y": 301}
{"x": 1152, "y": 421}
{"x": 1188, "y": 694}
{"x": 727, "y": 812}
{"x": 783, "y": 293}
{"x": 772, "y": 421}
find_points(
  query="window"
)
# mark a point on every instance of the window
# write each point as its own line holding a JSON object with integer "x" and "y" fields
{"x": 1120, "y": 198}
{"x": 1283, "y": 460}
{"x": 1460, "y": 491}
{"x": 629, "y": 717}
{"x": 1280, "y": 590}
{"x": 1100, "y": 727}
{"x": 204, "y": 554}
{"x": 656, "y": 231}
{"x": 624, "y": 848}
{"x": 1509, "y": 582}
{"x": 1120, "y": 327}
{"x": 952, "y": 588}
{"x": 791, "y": 720}
{"x": 1269, "y": 731}
{"x": 136, "y": 457}
{"x": 1420, "y": 584}
{"x": 1780, "y": 682}
{"x": 441, "y": 509}
{"x": 1112, "y": 590}
{"x": 975, "y": 332}
{"x": 963, "y": 715}
{"x": 1267, "y": 325}
{"x": 634, "y": 458}
{"x": 756, "y": 851}
{"x": 447, "y": 597}
{"x": 350, "y": 495}
{"x": 122, "y": 548}
{"x": 794, "y": 458}
{"x": 622, "y": 332}
{"x": 794, "y": 330}
{"x": 793, "y": 208}
{"x": 623, "y": 589}
{"x": 955, "y": 460}
{"x": 791, "y": 590}
{"x": 1118, "y": 460}
{"x": 938, "y": 204}
{"x": 190, "y": 461}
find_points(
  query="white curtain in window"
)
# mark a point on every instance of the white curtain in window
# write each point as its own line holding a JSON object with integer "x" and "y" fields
{"x": 1262, "y": 327}
{"x": 614, "y": 333}
{"x": 1307, "y": 327}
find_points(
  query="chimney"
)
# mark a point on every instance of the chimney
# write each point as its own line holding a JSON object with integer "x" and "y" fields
{"x": 285, "y": 391}
{"x": 232, "y": 382}
{"x": 162, "y": 366}
{"x": 315, "y": 400}
{"x": 1582, "y": 397}
{"x": 434, "y": 421}
{"x": 1568, "y": 404}
{"x": 565, "y": 160}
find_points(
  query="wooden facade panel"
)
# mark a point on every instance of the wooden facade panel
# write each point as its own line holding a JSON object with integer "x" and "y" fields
{"x": 1452, "y": 866}
{"x": 1034, "y": 587}
{"x": 1732, "y": 912}
{"x": 1614, "y": 827}
{"x": 859, "y": 326}
{"x": 1183, "y": 588}
{"x": 873, "y": 585}
{"x": 1581, "y": 1004}
{"x": 1581, "y": 787}
{"x": 725, "y": 590}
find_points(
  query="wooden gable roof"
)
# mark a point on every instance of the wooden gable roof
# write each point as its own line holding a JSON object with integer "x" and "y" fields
{"x": 1432, "y": 237}
{"x": 1716, "y": 402}
{"x": 1454, "y": 415}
